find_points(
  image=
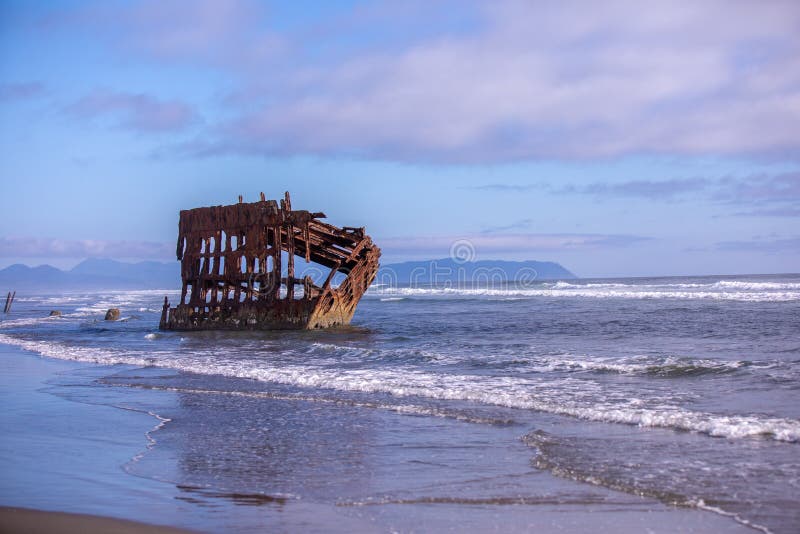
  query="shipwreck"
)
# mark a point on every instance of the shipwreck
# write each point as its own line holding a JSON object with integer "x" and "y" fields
{"x": 238, "y": 269}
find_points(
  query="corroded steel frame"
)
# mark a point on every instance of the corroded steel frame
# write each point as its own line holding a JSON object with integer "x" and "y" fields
{"x": 231, "y": 265}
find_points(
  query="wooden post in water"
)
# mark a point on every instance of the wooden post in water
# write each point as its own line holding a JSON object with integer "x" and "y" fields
{"x": 9, "y": 301}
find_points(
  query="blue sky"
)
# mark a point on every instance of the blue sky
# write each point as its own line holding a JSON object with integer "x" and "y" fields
{"x": 617, "y": 140}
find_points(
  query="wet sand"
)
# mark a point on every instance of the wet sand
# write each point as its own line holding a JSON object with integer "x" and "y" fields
{"x": 25, "y": 521}
{"x": 75, "y": 456}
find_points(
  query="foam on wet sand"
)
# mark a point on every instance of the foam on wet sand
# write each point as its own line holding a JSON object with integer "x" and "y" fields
{"x": 95, "y": 454}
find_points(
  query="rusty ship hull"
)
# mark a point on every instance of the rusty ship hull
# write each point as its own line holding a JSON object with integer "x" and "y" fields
{"x": 238, "y": 269}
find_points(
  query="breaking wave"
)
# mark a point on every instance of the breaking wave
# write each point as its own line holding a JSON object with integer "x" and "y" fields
{"x": 562, "y": 396}
{"x": 668, "y": 367}
{"x": 722, "y": 290}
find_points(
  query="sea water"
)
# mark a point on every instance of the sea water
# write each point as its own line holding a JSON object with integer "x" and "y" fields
{"x": 684, "y": 391}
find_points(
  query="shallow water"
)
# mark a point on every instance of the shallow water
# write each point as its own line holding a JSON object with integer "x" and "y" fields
{"x": 683, "y": 390}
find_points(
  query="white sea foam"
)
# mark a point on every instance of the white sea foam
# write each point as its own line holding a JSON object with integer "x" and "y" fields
{"x": 641, "y": 365}
{"x": 25, "y": 321}
{"x": 598, "y": 291}
{"x": 80, "y": 354}
{"x": 738, "y": 285}
{"x": 701, "y": 504}
{"x": 151, "y": 441}
{"x": 43, "y": 299}
{"x": 750, "y": 286}
{"x": 564, "y": 396}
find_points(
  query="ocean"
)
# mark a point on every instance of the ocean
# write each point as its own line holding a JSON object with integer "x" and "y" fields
{"x": 683, "y": 391}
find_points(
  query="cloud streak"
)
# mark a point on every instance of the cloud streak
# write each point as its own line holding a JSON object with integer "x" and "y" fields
{"x": 641, "y": 188}
{"x": 516, "y": 243}
{"x": 769, "y": 246}
{"x": 21, "y": 91}
{"x": 652, "y": 189}
{"x": 134, "y": 111}
{"x": 784, "y": 187}
{"x": 513, "y": 188}
{"x": 767, "y": 195}
{"x": 28, "y": 247}
{"x": 763, "y": 195}
{"x": 516, "y": 225}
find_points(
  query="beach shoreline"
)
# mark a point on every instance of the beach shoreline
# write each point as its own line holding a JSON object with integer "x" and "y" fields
{"x": 63, "y": 456}
{"x": 32, "y": 521}
{"x": 83, "y": 470}
{"x": 75, "y": 456}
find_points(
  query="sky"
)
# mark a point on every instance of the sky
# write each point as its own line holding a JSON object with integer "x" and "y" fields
{"x": 616, "y": 138}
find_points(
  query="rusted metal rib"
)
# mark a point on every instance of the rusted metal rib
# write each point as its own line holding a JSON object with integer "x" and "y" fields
{"x": 232, "y": 268}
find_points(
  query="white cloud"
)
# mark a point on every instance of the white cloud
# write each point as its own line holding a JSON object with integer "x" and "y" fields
{"x": 542, "y": 80}
{"x": 525, "y": 80}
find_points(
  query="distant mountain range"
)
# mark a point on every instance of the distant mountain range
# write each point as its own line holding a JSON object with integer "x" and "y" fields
{"x": 110, "y": 274}
{"x": 92, "y": 274}
{"x": 451, "y": 271}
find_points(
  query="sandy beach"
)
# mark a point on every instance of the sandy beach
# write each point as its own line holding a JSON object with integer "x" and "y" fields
{"x": 67, "y": 456}
{"x": 25, "y": 521}
{"x": 75, "y": 456}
